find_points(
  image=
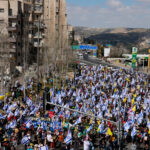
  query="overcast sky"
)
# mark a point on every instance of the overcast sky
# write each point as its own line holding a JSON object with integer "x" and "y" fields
{"x": 109, "y": 13}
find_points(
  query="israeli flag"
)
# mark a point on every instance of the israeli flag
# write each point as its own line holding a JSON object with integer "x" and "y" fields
{"x": 44, "y": 148}
{"x": 5, "y": 107}
{"x": 29, "y": 102}
{"x": 25, "y": 111}
{"x": 78, "y": 121}
{"x": 133, "y": 132}
{"x": 34, "y": 111}
{"x": 44, "y": 125}
{"x": 101, "y": 128}
{"x": 90, "y": 128}
{"x": 11, "y": 125}
{"x": 2, "y": 117}
{"x": 148, "y": 124}
{"x": 10, "y": 114}
{"x": 25, "y": 140}
{"x": 28, "y": 123}
{"x": 17, "y": 112}
{"x": 126, "y": 126}
{"x": 68, "y": 138}
{"x": 22, "y": 88}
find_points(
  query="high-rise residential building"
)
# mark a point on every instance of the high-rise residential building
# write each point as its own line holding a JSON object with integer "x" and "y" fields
{"x": 35, "y": 27}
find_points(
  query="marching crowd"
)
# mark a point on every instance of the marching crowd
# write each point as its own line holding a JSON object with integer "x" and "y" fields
{"x": 110, "y": 100}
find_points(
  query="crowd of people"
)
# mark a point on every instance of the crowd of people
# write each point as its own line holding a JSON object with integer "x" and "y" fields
{"x": 103, "y": 108}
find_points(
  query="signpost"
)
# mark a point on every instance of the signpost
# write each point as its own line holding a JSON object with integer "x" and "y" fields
{"x": 134, "y": 55}
{"x": 149, "y": 59}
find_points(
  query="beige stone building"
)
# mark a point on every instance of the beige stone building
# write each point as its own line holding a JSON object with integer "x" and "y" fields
{"x": 35, "y": 27}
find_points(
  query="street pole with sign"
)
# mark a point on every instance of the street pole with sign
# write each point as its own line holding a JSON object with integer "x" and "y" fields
{"x": 134, "y": 55}
{"x": 149, "y": 59}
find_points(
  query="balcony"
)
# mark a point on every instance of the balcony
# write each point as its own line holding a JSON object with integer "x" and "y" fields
{"x": 12, "y": 50}
{"x": 39, "y": 2}
{"x": 12, "y": 39}
{"x": 11, "y": 28}
{"x": 38, "y": 11}
{"x": 38, "y": 36}
{"x": 36, "y": 44}
{"x": 29, "y": 2}
{"x": 13, "y": 17}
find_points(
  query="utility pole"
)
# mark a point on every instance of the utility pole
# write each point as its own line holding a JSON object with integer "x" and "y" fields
{"x": 38, "y": 49}
{"x": 24, "y": 59}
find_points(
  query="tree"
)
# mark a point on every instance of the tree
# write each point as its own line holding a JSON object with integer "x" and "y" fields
{"x": 100, "y": 50}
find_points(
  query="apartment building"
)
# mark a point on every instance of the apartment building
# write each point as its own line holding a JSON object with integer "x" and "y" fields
{"x": 36, "y": 29}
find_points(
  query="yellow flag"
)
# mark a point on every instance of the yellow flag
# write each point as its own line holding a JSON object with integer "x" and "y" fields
{"x": 98, "y": 122}
{"x": 91, "y": 119}
{"x": 115, "y": 90}
{"x": 50, "y": 93}
{"x": 63, "y": 122}
{"x": 149, "y": 131}
{"x": 2, "y": 97}
{"x": 132, "y": 101}
{"x": 135, "y": 95}
{"x": 134, "y": 108}
{"x": 124, "y": 100}
{"x": 145, "y": 83}
{"x": 138, "y": 87}
{"x": 109, "y": 132}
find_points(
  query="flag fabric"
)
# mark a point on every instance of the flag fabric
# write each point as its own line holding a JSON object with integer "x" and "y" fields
{"x": 44, "y": 148}
{"x": 90, "y": 128}
{"x": 109, "y": 132}
{"x": 25, "y": 140}
{"x": 51, "y": 114}
{"x": 126, "y": 126}
{"x": 2, "y": 117}
{"x": 68, "y": 138}
{"x": 2, "y": 97}
{"x": 29, "y": 102}
{"x": 78, "y": 121}
{"x": 100, "y": 128}
{"x": 12, "y": 124}
{"x": 133, "y": 132}
{"x": 17, "y": 112}
{"x": 28, "y": 123}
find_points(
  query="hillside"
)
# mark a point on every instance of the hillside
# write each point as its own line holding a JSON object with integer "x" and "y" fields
{"x": 127, "y": 37}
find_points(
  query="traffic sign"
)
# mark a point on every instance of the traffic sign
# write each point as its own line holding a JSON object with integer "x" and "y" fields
{"x": 134, "y": 50}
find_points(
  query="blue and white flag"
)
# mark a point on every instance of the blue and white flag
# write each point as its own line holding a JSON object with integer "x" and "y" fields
{"x": 78, "y": 121}
{"x": 2, "y": 117}
{"x": 28, "y": 123}
{"x": 17, "y": 112}
{"x": 25, "y": 111}
{"x": 25, "y": 140}
{"x": 5, "y": 107}
{"x": 44, "y": 148}
{"x": 44, "y": 125}
{"x": 12, "y": 124}
{"x": 101, "y": 128}
{"x": 68, "y": 138}
{"x": 90, "y": 128}
{"x": 34, "y": 111}
{"x": 29, "y": 102}
{"x": 133, "y": 132}
{"x": 126, "y": 126}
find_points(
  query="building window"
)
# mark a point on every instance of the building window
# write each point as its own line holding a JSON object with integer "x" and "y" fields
{"x": 1, "y": 10}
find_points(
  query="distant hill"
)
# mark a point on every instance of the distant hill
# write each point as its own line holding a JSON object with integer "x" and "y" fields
{"x": 128, "y": 37}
